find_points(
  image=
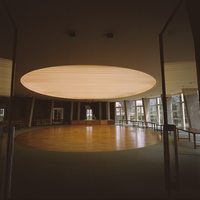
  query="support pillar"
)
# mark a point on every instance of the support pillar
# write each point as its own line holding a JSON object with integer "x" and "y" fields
{"x": 51, "y": 113}
{"x": 108, "y": 110}
{"x": 146, "y": 107}
{"x": 127, "y": 110}
{"x": 31, "y": 113}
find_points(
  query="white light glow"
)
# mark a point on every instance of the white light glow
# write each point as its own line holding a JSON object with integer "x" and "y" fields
{"x": 88, "y": 82}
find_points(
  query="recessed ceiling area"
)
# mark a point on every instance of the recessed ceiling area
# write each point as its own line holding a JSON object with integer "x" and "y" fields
{"x": 88, "y": 82}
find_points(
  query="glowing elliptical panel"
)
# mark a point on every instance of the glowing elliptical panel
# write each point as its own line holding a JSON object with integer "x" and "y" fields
{"x": 87, "y": 82}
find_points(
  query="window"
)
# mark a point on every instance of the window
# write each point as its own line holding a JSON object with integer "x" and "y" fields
{"x": 176, "y": 110}
{"x": 120, "y": 112}
{"x": 89, "y": 114}
{"x": 159, "y": 111}
{"x": 139, "y": 110}
{"x": 184, "y": 112}
{"x": 198, "y": 100}
{"x": 1, "y": 114}
{"x": 132, "y": 110}
{"x": 153, "y": 110}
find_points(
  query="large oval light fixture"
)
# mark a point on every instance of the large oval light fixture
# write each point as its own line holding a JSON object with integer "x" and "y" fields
{"x": 88, "y": 82}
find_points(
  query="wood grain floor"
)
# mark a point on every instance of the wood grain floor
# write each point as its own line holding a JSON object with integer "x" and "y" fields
{"x": 83, "y": 138}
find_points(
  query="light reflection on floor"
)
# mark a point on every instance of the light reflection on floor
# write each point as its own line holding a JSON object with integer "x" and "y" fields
{"x": 83, "y": 138}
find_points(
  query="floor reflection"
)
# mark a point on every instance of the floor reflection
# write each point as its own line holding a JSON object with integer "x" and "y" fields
{"x": 83, "y": 138}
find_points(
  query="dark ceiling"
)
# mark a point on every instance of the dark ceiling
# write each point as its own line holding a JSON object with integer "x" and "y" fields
{"x": 43, "y": 40}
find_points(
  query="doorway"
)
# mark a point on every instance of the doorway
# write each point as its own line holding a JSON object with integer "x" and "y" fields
{"x": 89, "y": 114}
{"x": 58, "y": 115}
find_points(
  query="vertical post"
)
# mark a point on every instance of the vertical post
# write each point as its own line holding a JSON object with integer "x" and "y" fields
{"x": 127, "y": 110}
{"x": 10, "y": 144}
{"x": 31, "y": 113}
{"x": 146, "y": 107}
{"x": 165, "y": 131}
{"x": 51, "y": 113}
{"x": 108, "y": 110}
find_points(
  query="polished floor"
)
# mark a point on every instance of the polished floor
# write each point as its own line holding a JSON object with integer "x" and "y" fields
{"x": 81, "y": 138}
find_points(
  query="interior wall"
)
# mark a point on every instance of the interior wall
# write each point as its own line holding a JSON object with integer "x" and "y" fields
{"x": 83, "y": 110}
{"x": 75, "y": 111}
{"x": 95, "y": 109}
{"x": 66, "y": 105}
{"x": 103, "y": 110}
{"x": 18, "y": 108}
{"x": 41, "y": 109}
{"x": 27, "y": 106}
{"x": 112, "y": 110}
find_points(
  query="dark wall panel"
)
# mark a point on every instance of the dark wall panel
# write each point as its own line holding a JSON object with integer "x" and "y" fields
{"x": 112, "y": 110}
{"x": 40, "y": 109}
{"x": 83, "y": 110}
{"x": 103, "y": 110}
{"x": 28, "y": 104}
{"x": 67, "y": 111}
{"x": 75, "y": 111}
{"x": 18, "y": 108}
{"x": 95, "y": 109}
{"x": 66, "y": 105}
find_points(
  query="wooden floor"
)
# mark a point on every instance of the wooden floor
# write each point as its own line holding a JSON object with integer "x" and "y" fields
{"x": 83, "y": 138}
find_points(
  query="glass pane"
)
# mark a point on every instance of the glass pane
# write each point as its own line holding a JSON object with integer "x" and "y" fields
{"x": 176, "y": 115}
{"x": 132, "y": 103}
{"x": 132, "y": 113}
{"x": 1, "y": 114}
{"x": 159, "y": 100}
{"x": 139, "y": 113}
{"x": 152, "y": 108}
{"x": 119, "y": 104}
{"x": 153, "y": 116}
{"x": 132, "y": 109}
{"x": 186, "y": 116}
{"x": 177, "y": 122}
{"x": 142, "y": 113}
{"x": 176, "y": 106}
{"x": 122, "y": 113}
{"x": 152, "y": 101}
{"x": 118, "y": 110}
{"x": 175, "y": 98}
{"x": 132, "y": 116}
{"x": 180, "y": 76}
{"x": 160, "y": 114}
{"x": 139, "y": 102}
{"x": 117, "y": 117}
{"x": 199, "y": 107}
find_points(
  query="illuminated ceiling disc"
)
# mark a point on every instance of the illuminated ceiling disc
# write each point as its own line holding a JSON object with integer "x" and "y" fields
{"x": 88, "y": 82}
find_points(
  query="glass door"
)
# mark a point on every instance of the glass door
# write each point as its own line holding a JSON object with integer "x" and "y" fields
{"x": 58, "y": 115}
{"x": 89, "y": 114}
{"x": 179, "y": 75}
